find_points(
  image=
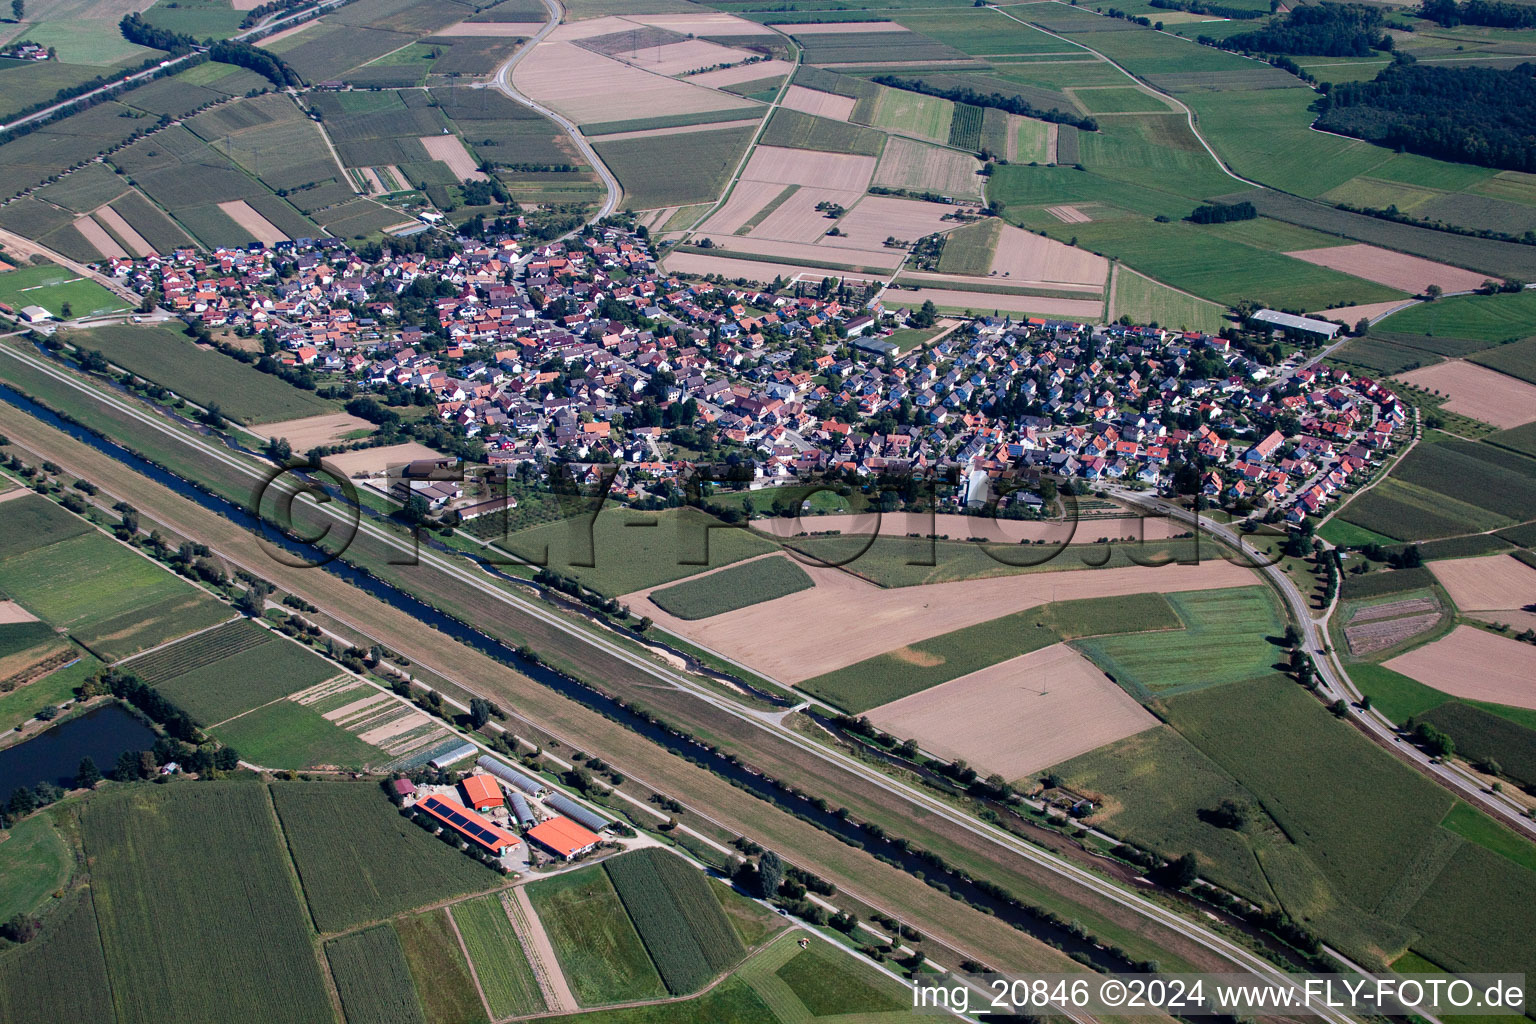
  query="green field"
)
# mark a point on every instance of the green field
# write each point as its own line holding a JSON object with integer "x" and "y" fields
{"x": 68, "y": 947}
{"x": 288, "y": 735}
{"x": 1485, "y": 832}
{"x": 1489, "y": 732}
{"x": 372, "y": 978}
{"x": 498, "y": 957}
{"x": 34, "y": 862}
{"x": 437, "y": 963}
{"x": 1147, "y": 302}
{"x": 31, "y": 522}
{"x": 968, "y": 250}
{"x": 830, "y": 984}
{"x": 598, "y": 948}
{"x": 1518, "y": 359}
{"x": 241, "y": 680}
{"x": 51, "y": 287}
{"x": 55, "y": 688}
{"x": 209, "y": 858}
{"x": 203, "y": 376}
{"x": 1228, "y": 635}
{"x": 379, "y": 865}
{"x": 621, "y": 551}
{"x": 1404, "y": 512}
{"x": 795, "y": 130}
{"x": 914, "y": 113}
{"x": 675, "y": 170}
{"x": 739, "y": 586}
{"x": 1490, "y": 318}
{"x": 927, "y": 663}
{"x": 678, "y": 918}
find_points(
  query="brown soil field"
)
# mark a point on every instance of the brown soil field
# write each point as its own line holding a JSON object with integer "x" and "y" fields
{"x": 1377, "y": 635}
{"x": 1478, "y": 392}
{"x": 588, "y": 87}
{"x": 1352, "y": 314}
{"x": 1068, "y": 214}
{"x": 587, "y": 28}
{"x": 1076, "y": 309}
{"x": 373, "y": 461}
{"x": 285, "y": 33}
{"x": 798, "y": 220}
{"x": 746, "y": 199}
{"x": 1393, "y": 269}
{"x": 450, "y": 150}
{"x": 1052, "y": 134}
{"x": 243, "y": 214}
{"x": 1019, "y": 716}
{"x": 742, "y": 73}
{"x": 962, "y": 281}
{"x": 704, "y": 23}
{"x": 98, "y": 237}
{"x": 1022, "y": 256}
{"x": 846, "y": 172}
{"x": 1519, "y": 621}
{"x": 843, "y": 619}
{"x": 822, "y": 104}
{"x": 753, "y": 270}
{"x": 309, "y": 431}
{"x": 1493, "y": 582}
{"x": 917, "y": 165}
{"x": 11, "y": 612}
{"x": 876, "y": 218}
{"x": 840, "y": 27}
{"x": 812, "y": 253}
{"x": 1476, "y": 665}
{"x": 132, "y": 239}
{"x": 953, "y": 527}
{"x": 509, "y": 29}
{"x": 680, "y": 58}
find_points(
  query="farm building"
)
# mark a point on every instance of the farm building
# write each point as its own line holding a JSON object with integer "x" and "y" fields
{"x": 453, "y": 756}
{"x": 573, "y": 810}
{"x": 521, "y": 811}
{"x": 1269, "y": 319}
{"x": 512, "y": 777}
{"x": 563, "y": 838}
{"x": 468, "y": 824}
{"x": 481, "y": 791}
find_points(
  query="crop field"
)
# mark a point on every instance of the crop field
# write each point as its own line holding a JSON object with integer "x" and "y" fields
{"x": 437, "y": 964}
{"x": 599, "y": 950}
{"x": 1404, "y": 512}
{"x": 1478, "y": 393}
{"x": 382, "y": 865}
{"x": 1499, "y": 888}
{"x": 238, "y": 680}
{"x": 69, "y": 946}
{"x": 1474, "y": 664}
{"x": 498, "y": 957}
{"x": 856, "y": 47}
{"x": 34, "y": 864}
{"x": 1481, "y": 734}
{"x": 1490, "y": 318}
{"x": 372, "y": 978}
{"x": 738, "y": 586}
{"x": 287, "y": 735}
{"x": 208, "y": 857}
{"x": 919, "y": 666}
{"x": 678, "y": 918}
{"x": 676, "y": 170}
{"x": 968, "y": 250}
{"x": 794, "y": 130}
{"x": 31, "y": 522}
{"x": 200, "y": 375}
{"x": 51, "y": 286}
{"x": 112, "y": 600}
{"x": 1381, "y": 357}
{"x": 924, "y": 168}
{"x": 914, "y": 113}
{"x": 1226, "y": 638}
{"x": 1502, "y": 483}
{"x": 1517, "y": 359}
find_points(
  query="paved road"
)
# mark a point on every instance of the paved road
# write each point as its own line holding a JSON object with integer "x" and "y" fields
{"x": 1336, "y": 682}
{"x": 503, "y": 81}
{"x": 577, "y": 632}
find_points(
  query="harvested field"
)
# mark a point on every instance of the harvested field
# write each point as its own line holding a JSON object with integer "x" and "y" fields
{"x": 1076, "y": 309}
{"x": 304, "y": 434}
{"x": 1019, "y": 716}
{"x": 1393, "y": 269}
{"x": 683, "y": 129}
{"x": 847, "y": 172}
{"x": 1068, "y": 214}
{"x": 450, "y": 150}
{"x": 876, "y": 218}
{"x": 11, "y": 612}
{"x": 98, "y": 237}
{"x": 798, "y": 220}
{"x": 812, "y": 252}
{"x": 822, "y": 104}
{"x": 1023, "y": 256}
{"x": 755, "y": 270}
{"x": 374, "y": 461}
{"x": 1491, "y": 583}
{"x": 747, "y": 198}
{"x": 1478, "y": 392}
{"x": 681, "y": 57}
{"x": 1352, "y": 314}
{"x": 1374, "y": 635}
{"x": 919, "y": 166}
{"x": 843, "y": 620}
{"x": 511, "y": 29}
{"x": 953, "y": 527}
{"x": 1476, "y": 665}
{"x": 588, "y": 87}
{"x": 763, "y": 69}
{"x": 113, "y": 220}
{"x": 261, "y": 229}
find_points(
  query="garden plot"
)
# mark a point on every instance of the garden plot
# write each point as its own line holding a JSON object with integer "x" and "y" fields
{"x": 1476, "y": 665}
{"x": 847, "y": 172}
{"x": 843, "y": 619}
{"x": 1492, "y": 583}
{"x": 1018, "y": 716}
{"x": 915, "y": 165}
{"x": 1393, "y": 269}
{"x": 588, "y": 87}
{"x": 1478, "y": 392}
{"x": 798, "y": 220}
{"x": 742, "y": 73}
{"x": 1379, "y": 626}
{"x": 821, "y": 104}
{"x": 261, "y": 229}
{"x": 877, "y": 218}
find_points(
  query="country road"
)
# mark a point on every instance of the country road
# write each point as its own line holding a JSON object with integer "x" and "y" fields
{"x": 1070, "y": 875}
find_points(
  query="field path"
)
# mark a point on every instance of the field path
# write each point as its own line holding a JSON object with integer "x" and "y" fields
{"x": 541, "y": 952}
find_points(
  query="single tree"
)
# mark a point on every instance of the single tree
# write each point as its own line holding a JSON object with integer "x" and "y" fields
{"x": 479, "y": 712}
{"x": 770, "y": 874}
{"x": 88, "y": 774}
{"x": 19, "y": 8}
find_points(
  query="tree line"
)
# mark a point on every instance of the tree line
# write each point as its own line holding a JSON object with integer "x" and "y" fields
{"x": 1492, "y": 13}
{"x": 1221, "y": 213}
{"x": 1000, "y": 101}
{"x": 1324, "y": 30}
